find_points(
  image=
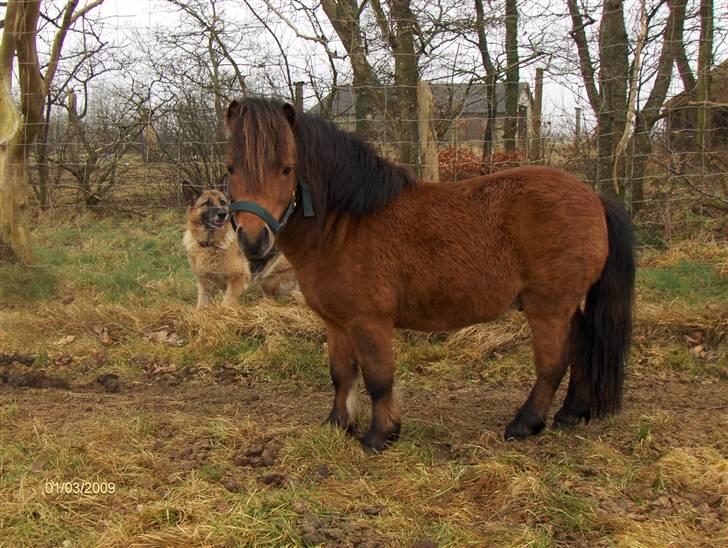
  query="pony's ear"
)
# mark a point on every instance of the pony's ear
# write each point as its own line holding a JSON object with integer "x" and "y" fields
{"x": 290, "y": 113}
{"x": 190, "y": 192}
{"x": 232, "y": 110}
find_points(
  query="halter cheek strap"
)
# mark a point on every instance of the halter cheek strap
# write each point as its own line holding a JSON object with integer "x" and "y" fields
{"x": 275, "y": 225}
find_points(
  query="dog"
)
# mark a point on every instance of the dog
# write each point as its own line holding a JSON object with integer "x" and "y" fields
{"x": 211, "y": 247}
{"x": 215, "y": 258}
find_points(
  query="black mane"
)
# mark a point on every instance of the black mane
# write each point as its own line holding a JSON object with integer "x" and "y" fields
{"x": 345, "y": 173}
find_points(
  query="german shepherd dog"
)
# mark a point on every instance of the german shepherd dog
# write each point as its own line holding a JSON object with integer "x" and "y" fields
{"x": 215, "y": 257}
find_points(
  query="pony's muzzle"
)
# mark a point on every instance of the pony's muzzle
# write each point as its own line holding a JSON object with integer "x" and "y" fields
{"x": 257, "y": 248}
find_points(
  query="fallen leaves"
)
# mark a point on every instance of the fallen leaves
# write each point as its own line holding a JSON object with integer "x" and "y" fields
{"x": 63, "y": 341}
{"x": 104, "y": 337}
{"x": 164, "y": 335}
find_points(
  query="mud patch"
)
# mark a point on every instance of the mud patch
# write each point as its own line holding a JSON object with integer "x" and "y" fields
{"x": 20, "y": 376}
{"x": 23, "y": 359}
{"x": 322, "y": 530}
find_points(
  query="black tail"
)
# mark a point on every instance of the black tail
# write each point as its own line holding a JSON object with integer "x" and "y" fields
{"x": 607, "y": 326}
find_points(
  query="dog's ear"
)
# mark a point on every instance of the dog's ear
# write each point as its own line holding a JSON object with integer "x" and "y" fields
{"x": 190, "y": 192}
{"x": 223, "y": 185}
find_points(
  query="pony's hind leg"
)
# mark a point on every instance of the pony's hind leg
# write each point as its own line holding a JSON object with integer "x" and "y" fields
{"x": 344, "y": 373}
{"x": 550, "y": 350}
{"x": 373, "y": 348}
{"x": 577, "y": 403}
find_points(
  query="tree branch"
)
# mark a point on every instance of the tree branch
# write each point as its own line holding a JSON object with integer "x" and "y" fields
{"x": 585, "y": 63}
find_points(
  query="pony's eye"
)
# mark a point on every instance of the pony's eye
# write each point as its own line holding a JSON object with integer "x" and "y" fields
{"x": 230, "y": 169}
{"x": 287, "y": 170}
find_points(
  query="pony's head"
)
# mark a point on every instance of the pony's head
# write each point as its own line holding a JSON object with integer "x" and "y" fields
{"x": 261, "y": 160}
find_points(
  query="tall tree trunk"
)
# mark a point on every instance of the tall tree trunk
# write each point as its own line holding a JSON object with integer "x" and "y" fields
{"x": 491, "y": 77}
{"x": 18, "y": 39}
{"x": 21, "y": 19}
{"x": 344, "y": 18}
{"x": 677, "y": 7}
{"x": 536, "y": 148}
{"x": 613, "y": 78}
{"x": 641, "y": 144}
{"x": 42, "y": 148}
{"x": 363, "y": 107}
{"x": 510, "y": 126}
{"x": 406, "y": 76}
{"x": 705, "y": 63}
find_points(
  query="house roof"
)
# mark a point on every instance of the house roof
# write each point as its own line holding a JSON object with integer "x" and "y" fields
{"x": 447, "y": 98}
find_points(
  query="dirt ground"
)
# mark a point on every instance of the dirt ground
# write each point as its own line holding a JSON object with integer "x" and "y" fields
{"x": 654, "y": 475}
{"x": 127, "y": 418}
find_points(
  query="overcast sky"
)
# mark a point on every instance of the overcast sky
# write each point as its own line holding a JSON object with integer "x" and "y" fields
{"x": 125, "y": 18}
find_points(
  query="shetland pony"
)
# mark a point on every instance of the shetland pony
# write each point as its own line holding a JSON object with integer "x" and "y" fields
{"x": 374, "y": 249}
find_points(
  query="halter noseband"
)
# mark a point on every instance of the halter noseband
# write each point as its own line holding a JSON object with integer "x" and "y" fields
{"x": 274, "y": 224}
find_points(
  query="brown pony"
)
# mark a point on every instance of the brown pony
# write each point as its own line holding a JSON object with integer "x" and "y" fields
{"x": 375, "y": 250}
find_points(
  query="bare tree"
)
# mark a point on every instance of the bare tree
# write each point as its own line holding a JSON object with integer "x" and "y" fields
{"x": 19, "y": 40}
{"x": 512, "y": 80}
{"x": 97, "y": 140}
{"x": 87, "y": 59}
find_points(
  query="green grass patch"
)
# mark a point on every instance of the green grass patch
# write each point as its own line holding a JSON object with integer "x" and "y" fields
{"x": 285, "y": 359}
{"x": 689, "y": 281}
{"x": 107, "y": 260}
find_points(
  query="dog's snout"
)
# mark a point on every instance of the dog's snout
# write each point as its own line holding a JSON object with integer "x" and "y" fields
{"x": 221, "y": 215}
{"x": 257, "y": 248}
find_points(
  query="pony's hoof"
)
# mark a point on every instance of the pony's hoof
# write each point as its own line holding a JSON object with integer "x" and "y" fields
{"x": 376, "y": 442}
{"x": 568, "y": 419}
{"x": 519, "y": 430}
{"x": 337, "y": 421}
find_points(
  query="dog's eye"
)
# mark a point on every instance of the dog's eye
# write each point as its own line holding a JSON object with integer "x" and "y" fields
{"x": 287, "y": 170}
{"x": 223, "y": 203}
{"x": 208, "y": 202}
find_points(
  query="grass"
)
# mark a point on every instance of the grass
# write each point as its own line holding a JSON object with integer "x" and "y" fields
{"x": 142, "y": 260}
{"x": 687, "y": 281}
{"x": 254, "y": 380}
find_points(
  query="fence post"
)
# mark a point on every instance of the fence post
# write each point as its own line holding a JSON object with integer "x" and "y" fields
{"x": 577, "y": 131}
{"x": 428, "y": 143}
{"x": 298, "y": 99}
{"x": 536, "y": 149}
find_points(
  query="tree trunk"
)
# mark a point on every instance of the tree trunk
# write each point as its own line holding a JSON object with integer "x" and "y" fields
{"x": 705, "y": 63}
{"x": 491, "y": 77}
{"x": 406, "y": 76}
{"x": 42, "y": 147}
{"x": 536, "y": 148}
{"x": 510, "y": 126}
{"x": 363, "y": 107}
{"x": 613, "y": 77}
{"x": 21, "y": 19}
{"x": 344, "y": 18}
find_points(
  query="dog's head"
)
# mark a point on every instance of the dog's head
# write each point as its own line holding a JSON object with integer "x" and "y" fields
{"x": 206, "y": 207}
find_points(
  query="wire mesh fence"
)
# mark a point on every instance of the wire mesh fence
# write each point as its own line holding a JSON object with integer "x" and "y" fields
{"x": 125, "y": 126}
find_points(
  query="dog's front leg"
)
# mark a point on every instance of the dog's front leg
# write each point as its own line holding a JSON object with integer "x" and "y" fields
{"x": 203, "y": 296}
{"x": 235, "y": 288}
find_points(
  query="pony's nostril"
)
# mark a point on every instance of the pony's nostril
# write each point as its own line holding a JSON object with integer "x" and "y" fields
{"x": 242, "y": 240}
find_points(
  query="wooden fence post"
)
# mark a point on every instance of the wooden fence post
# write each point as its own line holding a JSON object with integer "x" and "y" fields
{"x": 428, "y": 142}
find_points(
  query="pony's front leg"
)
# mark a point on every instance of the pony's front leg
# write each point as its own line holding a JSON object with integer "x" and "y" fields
{"x": 344, "y": 373}
{"x": 373, "y": 349}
